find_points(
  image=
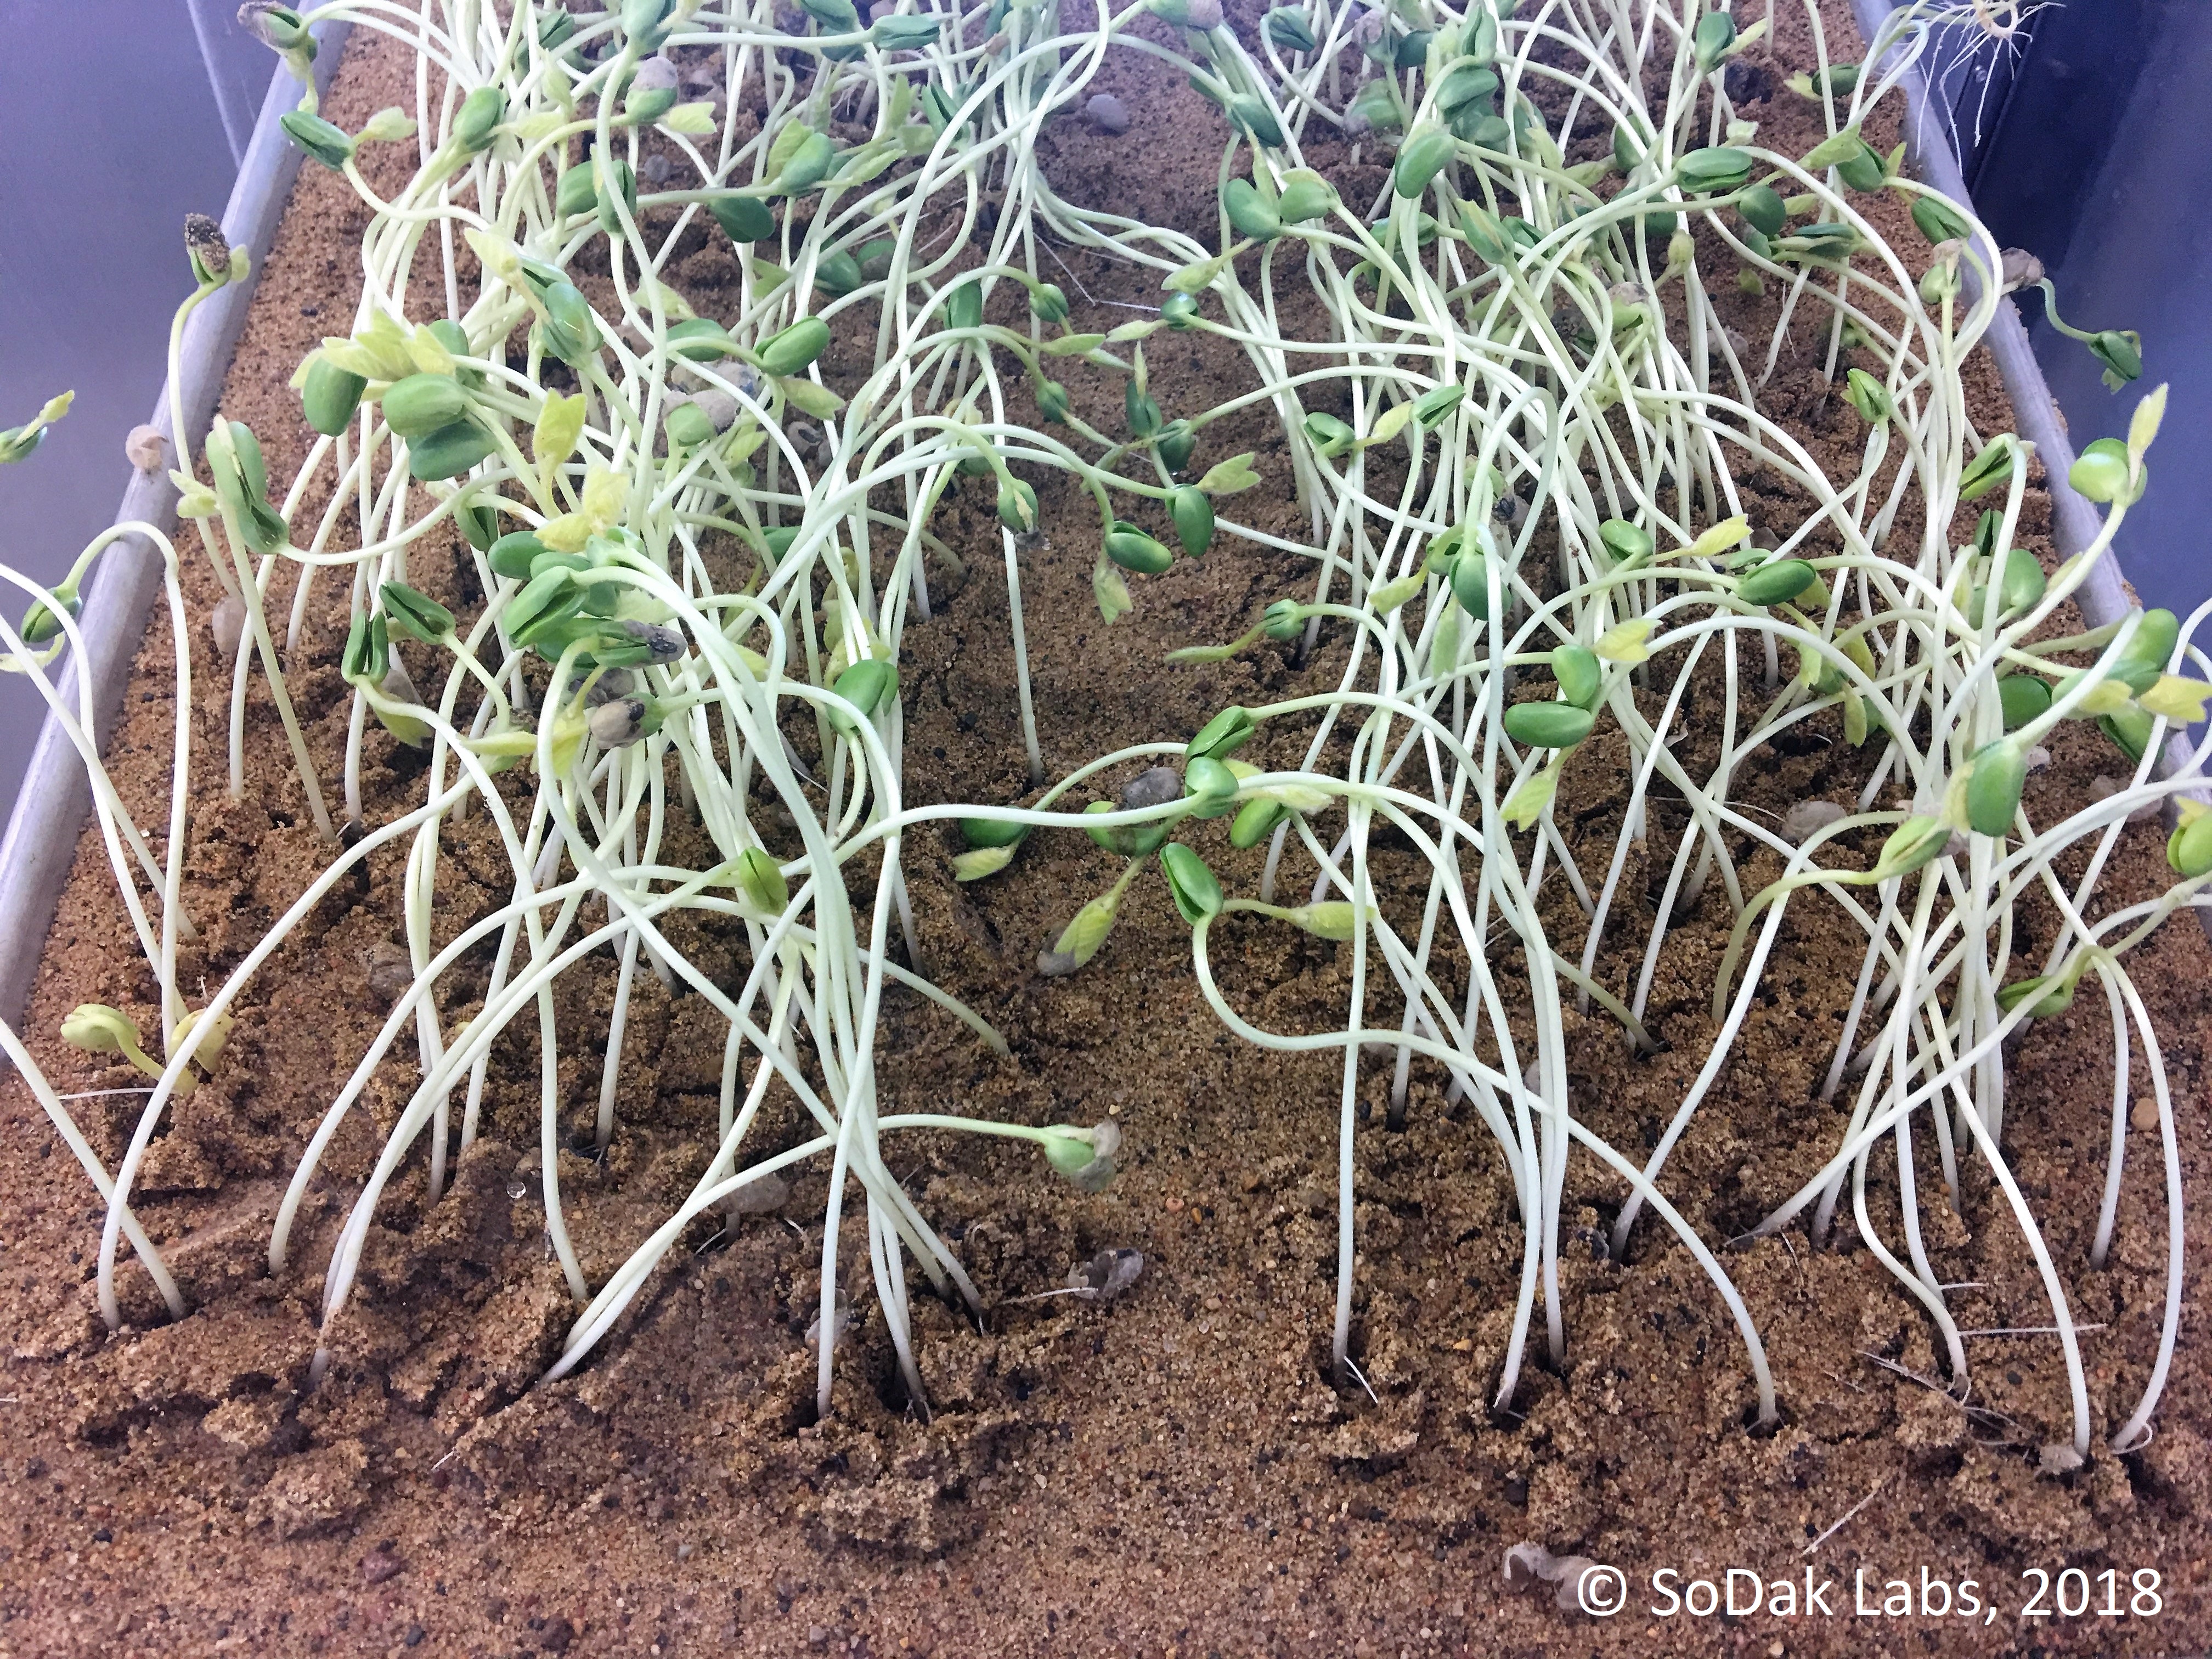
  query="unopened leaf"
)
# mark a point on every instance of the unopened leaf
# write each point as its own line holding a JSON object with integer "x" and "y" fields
{"x": 560, "y": 425}
{"x": 816, "y": 400}
{"x": 1073, "y": 345}
{"x": 1111, "y": 591}
{"x": 1083, "y": 938}
{"x": 1197, "y": 278}
{"x": 1831, "y": 151}
{"x": 2143, "y": 424}
{"x": 1855, "y": 718}
{"x": 1391, "y": 424}
{"x": 981, "y": 861}
{"x": 1388, "y": 597}
{"x": 1531, "y": 796}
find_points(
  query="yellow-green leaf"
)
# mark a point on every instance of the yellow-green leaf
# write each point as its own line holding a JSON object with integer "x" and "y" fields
{"x": 1532, "y": 795}
{"x": 805, "y": 396}
{"x": 1112, "y": 593}
{"x": 530, "y": 128}
{"x": 495, "y": 253}
{"x": 981, "y": 861}
{"x": 2106, "y": 697}
{"x": 1717, "y": 540}
{"x": 786, "y": 146}
{"x": 354, "y": 358}
{"x": 1392, "y": 422}
{"x": 195, "y": 499}
{"x": 560, "y": 424}
{"x": 1829, "y": 151}
{"x": 743, "y": 439}
{"x": 1332, "y": 919}
{"x": 1855, "y": 718}
{"x": 1624, "y": 641}
{"x": 1197, "y": 278}
{"x": 1228, "y": 477}
{"x": 1073, "y": 345}
{"x": 569, "y": 734}
{"x": 568, "y": 533}
{"x": 1443, "y": 648}
{"x": 388, "y": 126}
{"x": 674, "y": 305}
{"x": 605, "y": 493}
{"x": 386, "y": 345}
{"x": 1388, "y": 597}
{"x": 428, "y": 354}
{"x": 2143, "y": 424}
{"x": 1298, "y": 797}
{"x": 870, "y": 161}
{"x": 692, "y": 120}
{"x": 2178, "y": 699}
{"x": 1084, "y": 936}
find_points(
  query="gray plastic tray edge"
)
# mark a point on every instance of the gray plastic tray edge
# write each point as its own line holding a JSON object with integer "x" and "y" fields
{"x": 56, "y": 799}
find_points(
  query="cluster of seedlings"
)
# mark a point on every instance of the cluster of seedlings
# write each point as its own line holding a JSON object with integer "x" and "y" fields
{"x": 1516, "y": 448}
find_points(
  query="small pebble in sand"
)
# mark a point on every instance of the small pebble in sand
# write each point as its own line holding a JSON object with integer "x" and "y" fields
{"x": 390, "y": 971}
{"x": 841, "y": 1322}
{"x": 2101, "y": 787}
{"x": 1155, "y": 786}
{"x": 227, "y": 624}
{"x": 1108, "y": 113}
{"x": 656, "y": 74}
{"x": 1808, "y": 817}
{"x": 759, "y": 1196}
{"x": 1106, "y": 1275}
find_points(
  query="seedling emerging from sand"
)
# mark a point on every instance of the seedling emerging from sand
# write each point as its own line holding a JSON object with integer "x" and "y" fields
{"x": 1530, "y": 1564}
{"x": 1102, "y": 1279}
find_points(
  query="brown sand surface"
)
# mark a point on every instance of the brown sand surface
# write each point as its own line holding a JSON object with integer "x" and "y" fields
{"x": 1171, "y": 1474}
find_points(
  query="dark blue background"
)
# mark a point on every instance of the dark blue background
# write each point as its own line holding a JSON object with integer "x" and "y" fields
{"x": 117, "y": 118}
{"x": 2090, "y": 145}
